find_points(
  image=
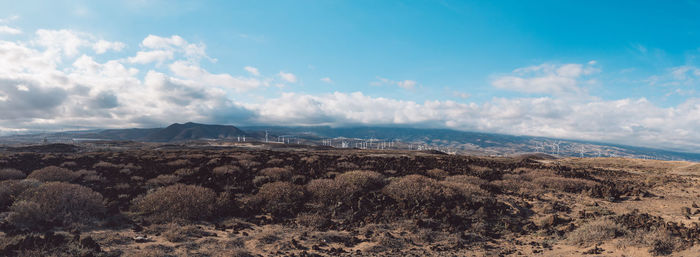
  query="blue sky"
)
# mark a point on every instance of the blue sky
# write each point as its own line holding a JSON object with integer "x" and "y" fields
{"x": 624, "y": 72}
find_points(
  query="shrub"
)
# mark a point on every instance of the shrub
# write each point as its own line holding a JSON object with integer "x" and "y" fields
{"x": 596, "y": 231}
{"x": 418, "y": 189}
{"x": 261, "y": 180}
{"x": 277, "y": 173}
{"x": 103, "y": 165}
{"x": 53, "y": 173}
{"x": 9, "y": 173}
{"x": 178, "y": 233}
{"x": 182, "y": 172}
{"x": 11, "y": 189}
{"x": 313, "y": 220}
{"x": 464, "y": 185}
{"x": 357, "y": 181}
{"x": 569, "y": 185}
{"x": 187, "y": 202}
{"x": 345, "y": 187}
{"x": 437, "y": 173}
{"x": 281, "y": 198}
{"x": 179, "y": 163}
{"x": 56, "y": 203}
{"x": 324, "y": 190}
{"x": 163, "y": 180}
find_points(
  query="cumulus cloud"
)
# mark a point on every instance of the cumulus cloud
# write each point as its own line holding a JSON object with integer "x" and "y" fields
{"x": 327, "y": 80}
{"x": 9, "y": 30}
{"x": 201, "y": 76}
{"x": 102, "y": 46}
{"x": 547, "y": 79}
{"x": 288, "y": 77}
{"x": 252, "y": 70}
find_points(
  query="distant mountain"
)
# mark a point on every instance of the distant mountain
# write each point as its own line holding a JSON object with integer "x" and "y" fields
{"x": 193, "y": 131}
{"x": 446, "y": 140}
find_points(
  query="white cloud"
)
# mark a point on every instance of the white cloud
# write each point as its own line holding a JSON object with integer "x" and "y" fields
{"x": 9, "y": 30}
{"x": 9, "y": 19}
{"x": 405, "y": 84}
{"x": 327, "y": 80}
{"x": 176, "y": 44}
{"x": 252, "y": 70}
{"x": 157, "y": 56}
{"x": 201, "y": 76}
{"x": 102, "y": 46}
{"x": 288, "y": 77}
{"x": 547, "y": 79}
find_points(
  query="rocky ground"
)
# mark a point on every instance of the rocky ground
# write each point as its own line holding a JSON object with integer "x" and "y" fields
{"x": 324, "y": 202}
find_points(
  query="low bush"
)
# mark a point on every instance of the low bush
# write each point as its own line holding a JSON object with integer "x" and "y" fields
{"x": 11, "y": 189}
{"x": 226, "y": 170}
{"x": 596, "y": 231}
{"x": 417, "y": 189}
{"x": 345, "y": 187}
{"x": 56, "y": 203}
{"x": 281, "y": 198}
{"x": 569, "y": 185}
{"x": 9, "y": 173}
{"x": 53, "y": 173}
{"x": 277, "y": 173}
{"x": 175, "y": 202}
{"x": 163, "y": 180}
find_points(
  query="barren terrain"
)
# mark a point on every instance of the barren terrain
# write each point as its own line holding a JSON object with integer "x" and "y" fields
{"x": 257, "y": 201}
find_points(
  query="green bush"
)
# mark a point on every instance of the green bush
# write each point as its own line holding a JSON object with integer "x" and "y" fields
{"x": 179, "y": 201}
{"x": 9, "y": 173}
{"x": 56, "y": 203}
{"x": 53, "y": 173}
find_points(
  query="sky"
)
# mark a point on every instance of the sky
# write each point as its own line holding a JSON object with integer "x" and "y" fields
{"x": 622, "y": 72}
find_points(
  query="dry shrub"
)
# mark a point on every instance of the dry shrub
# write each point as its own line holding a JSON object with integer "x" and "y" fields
{"x": 11, "y": 189}
{"x": 277, "y": 173}
{"x": 163, "y": 180}
{"x": 178, "y": 233}
{"x": 467, "y": 186}
{"x": 346, "y": 186}
{"x": 659, "y": 240}
{"x": 418, "y": 189}
{"x": 347, "y": 166}
{"x": 107, "y": 166}
{"x": 9, "y": 173}
{"x": 258, "y": 181}
{"x": 56, "y": 203}
{"x": 179, "y": 201}
{"x": 69, "y": 164}
{"x": 179, "y": 163}
{"x": 313, "y": 220}
{"x": 248, "y": 164}
{"x": 183, "y": 172}
{"x": 281, "y": 198}
{"x": 437, "y": 173}
{"x": 569, "y": 185}
{"x": 596, "y": 231}
{"x": 275, "y": 161}
{"x": 53, "y": 173}
{"x": 359, "y": 181}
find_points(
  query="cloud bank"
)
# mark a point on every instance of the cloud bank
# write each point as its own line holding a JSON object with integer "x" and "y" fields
{"x": 61, "y": 79}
